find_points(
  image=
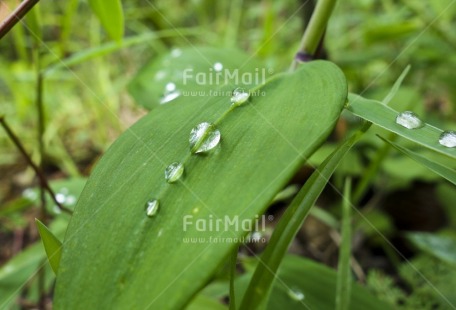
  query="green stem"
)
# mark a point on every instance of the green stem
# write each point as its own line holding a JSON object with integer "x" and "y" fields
{"x": 35, "y": 168}
{"x": 316, "y": 28}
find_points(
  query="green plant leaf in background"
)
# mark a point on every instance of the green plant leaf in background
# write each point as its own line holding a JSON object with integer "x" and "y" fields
{"x": 180, "y": 67}
{"x": 383, "y": 116}
{"x": 114, "y": 254}
{"x": 440, "y": 246}
{"x": 289, "y": 225}
{"x": 51, "y": 244}
{"x": 447, "y": 173}
{"x": 22, "y": 267}
{"x": 110, "y": 14}
{"x": 306, "y": 284}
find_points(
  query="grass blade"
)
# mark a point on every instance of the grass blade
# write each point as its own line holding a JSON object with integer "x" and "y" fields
{"x": 110, "y": 14}
{"x": 447, "y": 173}
{"x": 384, "y": 116}
{"x": 343, "y": 289}
{"x": 233, "y": 278}
{"x": 396, "y": 86}
{"x": 52, "y": 245}
{"x": 261, "y": 283}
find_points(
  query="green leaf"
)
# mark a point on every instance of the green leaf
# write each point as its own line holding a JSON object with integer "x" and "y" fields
{"x": 344, "y": 277}
{"x": 383, "y": 116}
{"x": 447, "y": 173}
{"x": 316, "y": 282}
{"x": 115, "y": 255}
{"x": 440, "y": 246}
{"x": 110, "y": 14}
{"x": 52, "y": 245}
{"x": 188, "y": 68}
{"x": 289, "y": 225}
{"x": 21, "y": 268}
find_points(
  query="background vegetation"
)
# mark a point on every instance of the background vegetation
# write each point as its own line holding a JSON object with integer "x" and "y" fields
{"x": 88, "y": 102}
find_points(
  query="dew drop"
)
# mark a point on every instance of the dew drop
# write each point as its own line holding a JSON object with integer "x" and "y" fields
{"x": 173, "y": 172}
{"x": 61, "y": 198}
{"x": 203, "y": 138}
{"x": 152, "y": 207}
{"x": 296, "y": 294}
{"x": 448, "y": 138}
{"x": 170, "y": 94}
{"x": 218, "y": 66}
{"x": 409, "y": 120}
{"x": 239, "y": 96}
{"x": 176, "y": 52}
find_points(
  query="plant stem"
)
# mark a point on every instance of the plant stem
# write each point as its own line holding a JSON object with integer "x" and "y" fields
{"x": 315, "y": 30}
{"x": 16, "y": 16}
{"x": 35, "y": 168}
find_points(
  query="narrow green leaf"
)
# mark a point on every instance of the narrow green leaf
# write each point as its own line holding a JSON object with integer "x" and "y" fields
{"x": 233, "y": 264}
{"x": 52, "y": 245}
{"x": 111, "y": 47}
{"x": 440, "y": 246}
{"x": 110, "y": 14}
{"x": 383, "y": 116}
{"x": 447, "y": 173}
{"x": 306, "y": 284}
{"x": 396, "y": 86}
{"x": 290, "y": 224}
{"x": 156, "y": 264}
{"x": 344, "y": 278}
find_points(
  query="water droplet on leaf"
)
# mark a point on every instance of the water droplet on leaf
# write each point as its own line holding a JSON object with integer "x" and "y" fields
{"x": 218, "y": 66}
{"x": 173, "y": 172}
{"x": 152, "y": 207}
{"x": 409, "y": 120}
{"x": 239, "y": 96}
{"x": 448, "y": 138}
{"x": 170, "y": 94}
{"x": 176, "y": 52}
{"x": 296, "y": 294}
{"x": 203, "y": 138}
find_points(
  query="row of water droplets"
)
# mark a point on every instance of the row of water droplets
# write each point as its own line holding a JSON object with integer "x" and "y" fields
{"x": 410, "y": 120}
{"x": 203, "y": 138}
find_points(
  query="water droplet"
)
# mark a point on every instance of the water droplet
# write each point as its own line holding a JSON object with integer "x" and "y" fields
{"x": 296, "y": 294}
{"x": 176, "y": 52}
{"x": 60, "y": 197}
{"x": 30, "y": 194}
{"x": 56, "y": 209}
{"x": 255, "y": 236}
{"x": 195, "y": 210}
{"x": 152, "y": 207}
{"x": 218, "y": 66}
{"x": 409, "y": 120}
{"x": 239, "y": 96}
{"x": 203, "y": 138}
{"x": 160, "y": 75}
{"x": 70, "y": 199}
{"x": 64, "y": 190}
{"x": 173, "y": 172}
{"x": 448, "y": 138}
{"x": 170, "y": 94}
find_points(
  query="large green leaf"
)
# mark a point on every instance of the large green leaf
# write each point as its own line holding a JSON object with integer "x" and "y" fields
{"x": 187, "y": 68}
{"x": 110, "y": 14}
{"x": 114, "y": 255}
{"x": 440, "y": 246}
